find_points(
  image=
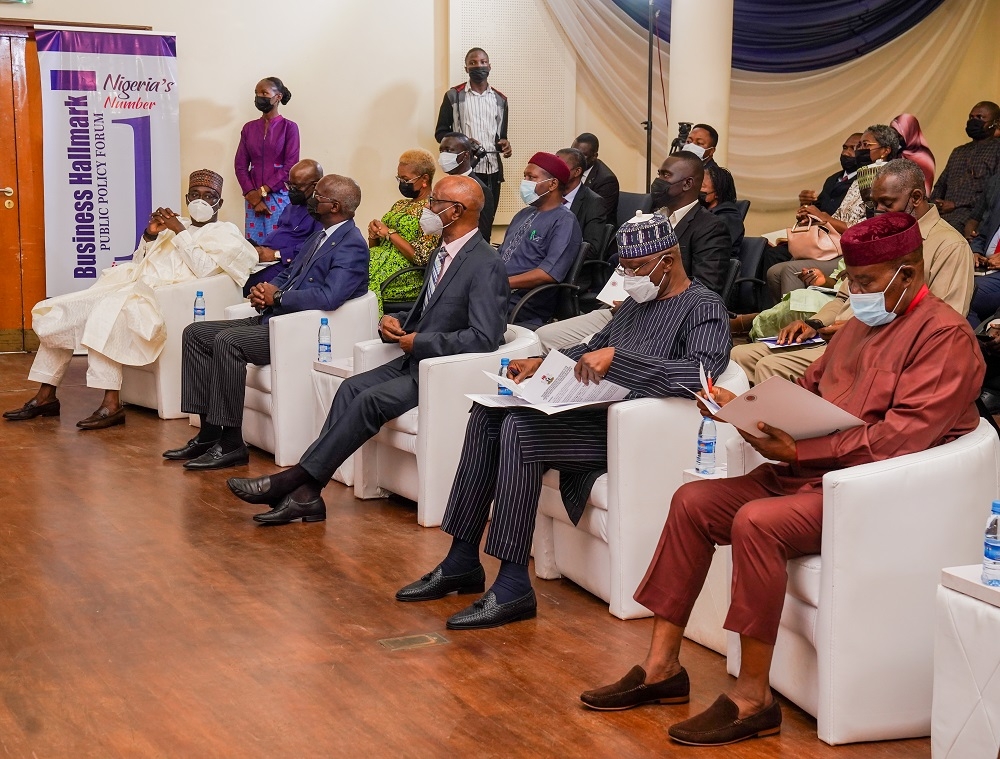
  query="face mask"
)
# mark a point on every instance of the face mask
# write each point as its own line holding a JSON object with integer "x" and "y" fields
{"x": 703, "y": 198}
{"x": 976, "y": 129}
{"x": 449, "y": 161}
{"x": 870, "y": 307}
{"x": 312, "y": 205}
{"x": 263, "y": 104}
{"x": 642, "y": 289}
{"x": 698, "y": 150}
{"x": 407, "y": 190}
{"x": 528, "y": 194}
{"x": 200, "y": 211}
{"x": 862, "y": 157}
{"x": 297, "y": 198}
{"x": 849, "y": 163}
{"x": 431, "y": 224}
{"x": 660, "y": 192}
{"x": 479, "y": 73}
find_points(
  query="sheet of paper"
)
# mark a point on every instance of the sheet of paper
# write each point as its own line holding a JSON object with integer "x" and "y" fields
{"x": 776, "y": 237}
{"x": 772, "y": 342}
{"x": 613, "y": 290}
{"x": 555, "y": 383}
{"x": 510, "y": 401}
{"x": 786, "y": 406}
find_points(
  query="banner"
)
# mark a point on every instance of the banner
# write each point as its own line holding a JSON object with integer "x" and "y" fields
{"x": 111, "y": 145}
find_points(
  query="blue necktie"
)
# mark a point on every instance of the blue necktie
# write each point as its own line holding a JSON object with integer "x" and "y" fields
{"x": 436, "y": 270}
{"x": 305, "y": 256}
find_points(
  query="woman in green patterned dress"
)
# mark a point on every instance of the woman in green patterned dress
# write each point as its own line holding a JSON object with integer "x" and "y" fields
{"x": 396, "y": 241}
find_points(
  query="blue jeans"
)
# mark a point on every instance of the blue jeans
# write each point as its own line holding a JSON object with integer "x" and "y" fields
{"x": 985, "y": 298}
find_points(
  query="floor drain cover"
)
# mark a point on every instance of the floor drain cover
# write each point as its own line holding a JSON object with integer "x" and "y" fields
{"x": 413, "y": 641}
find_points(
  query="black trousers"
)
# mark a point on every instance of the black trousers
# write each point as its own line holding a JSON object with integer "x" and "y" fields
{"x": 492, "y": 181}
{"x": 505, "y": 454}
{"x": 214, "y": 358}
{"x": 361, "y": 406}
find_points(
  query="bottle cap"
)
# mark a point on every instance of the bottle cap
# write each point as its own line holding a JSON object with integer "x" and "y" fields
{"x": 504, "y": 361}
{"x": 323, "y": 320}
{"x": 996, "y": 507}
{"x": 198, "y": 294}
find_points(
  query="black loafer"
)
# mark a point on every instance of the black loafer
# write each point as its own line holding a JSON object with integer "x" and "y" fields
{"x": 253, "y": 490}
{"x": 486, "y": 612}
{"x": 290, "y": 509}
{"x": 720, "y": 724}
{"x": 214, "y": 458}
{"x": 31, "y": 409}
{"x": 190, "y": 450}
{"x": 436, "y": 585}
{"x": 102, "y": 419}
{"x": 632, "y": 690}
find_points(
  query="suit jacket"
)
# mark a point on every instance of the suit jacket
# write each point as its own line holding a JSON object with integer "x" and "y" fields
{"x": 324, "y": 279}
{"x": 467, "y": 312}
{"x": 488, "y": 213}
{"x": 990, "y": 217}
{"x": 705, "y": 247}
{"x": 588, "y": 207}
{"x": 603, "y": 181}
{"x": 833, "y": 192}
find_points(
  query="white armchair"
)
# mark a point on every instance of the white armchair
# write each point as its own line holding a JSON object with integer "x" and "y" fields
{"x": 419, "y": 461}
{"x": 158, "y": 385}
{"x": 856, "y": 644}
{"x": 650, "y": 443}
{"x": 280, "y": 406}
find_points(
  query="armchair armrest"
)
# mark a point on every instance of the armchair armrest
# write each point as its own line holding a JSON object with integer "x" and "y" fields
{"x": 241, "y": 311}
{"x": 370, "y": 354}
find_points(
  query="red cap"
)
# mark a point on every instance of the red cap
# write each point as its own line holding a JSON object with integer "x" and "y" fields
{"x": 553, "y": 164}
{"x": 885, "y": 238}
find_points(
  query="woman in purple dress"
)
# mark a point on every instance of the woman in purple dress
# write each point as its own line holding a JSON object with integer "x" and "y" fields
{"x": 269, "y": 147}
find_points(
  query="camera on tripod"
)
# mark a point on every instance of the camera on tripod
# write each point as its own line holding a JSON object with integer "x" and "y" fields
{"x": 683, "y": 130}
{"x": 476, "y": 154}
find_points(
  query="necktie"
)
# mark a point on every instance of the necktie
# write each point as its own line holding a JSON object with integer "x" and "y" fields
{"x": 305, "y": 256}
{"x": 436, "y": 270}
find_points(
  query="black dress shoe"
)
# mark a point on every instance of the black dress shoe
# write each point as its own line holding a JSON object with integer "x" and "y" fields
{"x": 190, "y": 450}
{"x": 436, "y": 584}
{"x": 486, "y": 612}
{"x": 102, "y": 419}
{"x": 290, "y": 509}
{"x": 31, "y": 409}
{"x": 255, "y": 490}
{"x": 214, "y": 458}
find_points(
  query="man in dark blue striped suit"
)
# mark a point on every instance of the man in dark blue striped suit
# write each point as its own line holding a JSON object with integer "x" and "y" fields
{"x": 653, "y": 346}
{"x": 331, "y": 268}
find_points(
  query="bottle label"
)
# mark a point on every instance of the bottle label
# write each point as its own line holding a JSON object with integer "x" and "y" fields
{"x": 706, "y": 446}
{"x": 199, "y": 313}
{"x": 992, "y": 550}
{"x": 501, "y": 390}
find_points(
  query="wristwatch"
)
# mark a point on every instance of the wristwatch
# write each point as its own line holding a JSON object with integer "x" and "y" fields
{"x": 816, "y": 324}
{"x": 263, "y": 191}
{"x": 277, "y": 298}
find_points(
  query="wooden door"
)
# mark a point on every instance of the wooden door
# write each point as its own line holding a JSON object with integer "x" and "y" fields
{"x": 22, "y": 225}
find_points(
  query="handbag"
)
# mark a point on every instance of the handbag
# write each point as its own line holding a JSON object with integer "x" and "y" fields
{"x": 814, "y": 240}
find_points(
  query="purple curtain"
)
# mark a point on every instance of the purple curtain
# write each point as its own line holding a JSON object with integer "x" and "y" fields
{"x": 782, "y": 36}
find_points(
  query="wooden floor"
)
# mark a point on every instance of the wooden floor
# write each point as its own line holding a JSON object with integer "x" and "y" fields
{"x": 143, "y": 614}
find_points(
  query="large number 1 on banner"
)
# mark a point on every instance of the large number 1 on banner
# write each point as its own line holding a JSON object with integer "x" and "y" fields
{"x": 143, "y": 151}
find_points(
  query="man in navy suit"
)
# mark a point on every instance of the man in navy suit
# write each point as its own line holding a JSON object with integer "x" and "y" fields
{"x": 331, "y": 268}
{"x": 462, "y": 308}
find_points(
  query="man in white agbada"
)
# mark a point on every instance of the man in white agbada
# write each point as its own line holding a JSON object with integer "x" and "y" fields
{"x": 117, "y": 319}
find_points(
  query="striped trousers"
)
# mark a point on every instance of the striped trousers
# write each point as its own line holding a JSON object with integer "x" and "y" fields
{"x": 505, "y": 454}
{"x": 214, "y": 358}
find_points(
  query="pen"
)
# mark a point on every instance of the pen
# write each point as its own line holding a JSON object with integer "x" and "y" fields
{"x": 710, "y": 386}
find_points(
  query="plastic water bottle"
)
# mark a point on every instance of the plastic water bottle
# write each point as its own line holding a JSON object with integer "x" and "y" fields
{"x": 199, "y": 306}
{"x": 324, "y": 355}
{"x": 501, "y": 390}
{"x": 991, "y": 555}
{"x": 705, "y": 463}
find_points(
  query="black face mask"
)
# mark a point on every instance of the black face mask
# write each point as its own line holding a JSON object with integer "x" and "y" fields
{"x": 703, "y": 198}
{"x": 862, "y": 157}
{"x": 312, "y": 204}
{"x": 263, "y": 104}
{"x": 297, "y": 198}
{"x": 479, "y": 73}
{"x": 660, "y": 191}
{"x": 849, "y": 163}
{"x": 976, "y": 129}
{"x": 407, "y": 190}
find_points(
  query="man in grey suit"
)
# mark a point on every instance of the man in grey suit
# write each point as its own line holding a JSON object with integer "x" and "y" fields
{"x": 462, "y": 308}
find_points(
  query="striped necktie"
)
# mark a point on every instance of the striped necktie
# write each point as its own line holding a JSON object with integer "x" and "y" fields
{"x": 436, "y": 270}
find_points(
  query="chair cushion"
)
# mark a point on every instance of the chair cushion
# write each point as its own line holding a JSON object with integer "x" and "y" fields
{"x": 595, "y": 516}
{"x": 406, "y": 423}
{"x": 259, "y": 378}
{"x": 803, "y": 579}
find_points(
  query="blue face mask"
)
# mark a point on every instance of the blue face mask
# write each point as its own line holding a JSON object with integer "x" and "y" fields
{"x": 870, "y": 309}
{"x": 528, "y": 194}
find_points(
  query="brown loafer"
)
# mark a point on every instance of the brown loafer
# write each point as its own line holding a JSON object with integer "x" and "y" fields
{"x": 720, "y": 724}
{"x": 632, "y": 690}
{"x": 31, "y": 409}
{"x": 102, "y": 418}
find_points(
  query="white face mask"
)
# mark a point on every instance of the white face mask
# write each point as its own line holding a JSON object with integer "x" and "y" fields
{"x": 642, "y": 289}
{"x": 431, "y": 224}
{"x": 528, "y": 194}
{"x": 200, "y": 211}
{"x": 870, "y": 309}
{"x": 449, "y": 161}
{"x": 695, "y": 148}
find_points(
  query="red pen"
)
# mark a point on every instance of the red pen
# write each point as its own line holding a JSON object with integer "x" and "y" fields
{"x": 711, "y": 388}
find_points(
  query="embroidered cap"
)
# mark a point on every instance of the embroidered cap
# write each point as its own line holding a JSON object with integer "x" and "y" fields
{"x": 206, "y": 178}
{"x": 886, "y": 237}
{"x": 644, "y": 235}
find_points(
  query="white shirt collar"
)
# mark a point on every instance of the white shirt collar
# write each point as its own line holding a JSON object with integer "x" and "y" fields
{"x": 571, "y": 195}
{"x": 330, "y": 230}
{"x": 586, "y": 174}
{"x": 485, "y": 92}
{"x": 467, "y": 174}
{"x": 680, "y": 213}
{"x": 455, "y": 246}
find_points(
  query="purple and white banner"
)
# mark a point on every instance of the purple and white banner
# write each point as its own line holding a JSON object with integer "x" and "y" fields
{"x": 111, "y": 142}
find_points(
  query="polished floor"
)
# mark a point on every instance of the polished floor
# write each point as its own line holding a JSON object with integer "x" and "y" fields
{"x": 143, "y": 614}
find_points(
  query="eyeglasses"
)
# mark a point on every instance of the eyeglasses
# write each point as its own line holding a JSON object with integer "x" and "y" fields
{"x": 299, "y": 187}
{"x": 209, "y": 197}
{"x": 867, "y": 145}
{"x": 404, "y": 180}
{"x": 324, "y": 199}
{"x": 432, "y": 199}
{"x": 627, "y": 272}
